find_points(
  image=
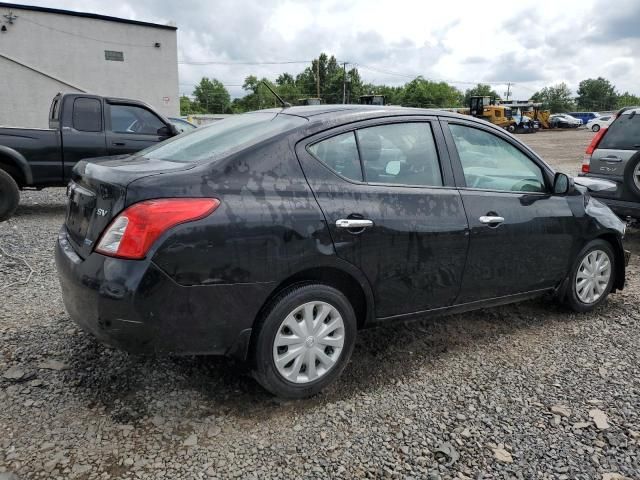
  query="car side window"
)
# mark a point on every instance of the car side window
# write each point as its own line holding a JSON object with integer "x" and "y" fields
{"x": 340, "y": 154}
{"x": 132, "y": 119}
{"x": 87, "y": 115}
{"x": 400, "y": 153}
{"x": 492, "y": 163}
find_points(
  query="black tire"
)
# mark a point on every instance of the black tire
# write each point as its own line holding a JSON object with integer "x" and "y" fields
{"x": 628, "y": 175}
{"x": 264, "y": 366}
{"x": 571, "y": 296}
{"x": 9, "y": 196}
{"x": 595, "y": 128}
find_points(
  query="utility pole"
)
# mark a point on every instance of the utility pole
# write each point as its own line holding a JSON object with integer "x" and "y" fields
{"x": 508, "y": 90}
{"x": 344, "y": 82}
{"x": 318, "y": 77}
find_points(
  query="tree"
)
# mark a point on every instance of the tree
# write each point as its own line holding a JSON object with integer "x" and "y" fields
{"x": 627, "y": 99}
{"x": 596, "y": 94}
{"x": 427, "y": 94}
{"x": 557, "y": 98}
{"x": 212, "y": 96}
{"x": 187, "y": 106}
{"x": 480, "y": 90}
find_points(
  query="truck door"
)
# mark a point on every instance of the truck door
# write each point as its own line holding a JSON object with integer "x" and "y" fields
{"x": 133, "y": 128}
{"x": 82, "y": 132}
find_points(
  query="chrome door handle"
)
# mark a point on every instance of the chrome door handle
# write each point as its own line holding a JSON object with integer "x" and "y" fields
{"x": 354, "y": 223}
{"x": 488, "y": 220}
{"x": 611, "y": 159}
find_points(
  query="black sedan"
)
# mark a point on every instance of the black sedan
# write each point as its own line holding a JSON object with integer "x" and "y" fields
{"x": 275, "y": 236}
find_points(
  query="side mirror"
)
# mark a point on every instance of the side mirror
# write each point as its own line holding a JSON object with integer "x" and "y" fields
{"x": 167, "y": 131}
{"x": 562, "y": 184}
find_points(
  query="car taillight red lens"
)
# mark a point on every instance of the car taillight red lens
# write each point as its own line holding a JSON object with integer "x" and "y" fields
{"x": 595, "y": 141}
{"x": 131, "y": 234}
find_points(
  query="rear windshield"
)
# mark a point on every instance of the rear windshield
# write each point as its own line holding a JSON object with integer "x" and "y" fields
{"x": 222, "y": 137}
{"x": 623, "y": 134}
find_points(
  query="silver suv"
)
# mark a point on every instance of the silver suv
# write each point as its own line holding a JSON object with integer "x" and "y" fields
{"x": 614, "y": 154}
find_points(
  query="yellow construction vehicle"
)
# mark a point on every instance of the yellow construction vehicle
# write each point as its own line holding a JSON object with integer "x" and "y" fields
{"x": 487, "y": 109}
{"x": 372, "y": 100}
{"x": 542, "y": 116}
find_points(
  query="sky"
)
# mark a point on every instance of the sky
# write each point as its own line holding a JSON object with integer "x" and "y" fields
{"x": 530, "y": 43}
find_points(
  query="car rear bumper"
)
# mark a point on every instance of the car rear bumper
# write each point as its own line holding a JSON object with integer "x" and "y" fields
{"x": 135, "y": 306}
{"x": 617, "y": 200}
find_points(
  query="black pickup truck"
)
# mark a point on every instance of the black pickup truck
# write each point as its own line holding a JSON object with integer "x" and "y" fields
{"x": 80, "y": 126}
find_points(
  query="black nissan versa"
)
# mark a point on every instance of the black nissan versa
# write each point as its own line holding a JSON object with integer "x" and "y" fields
{"x": 274, "y": 236}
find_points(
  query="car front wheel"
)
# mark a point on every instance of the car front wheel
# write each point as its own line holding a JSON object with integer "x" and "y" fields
{"x": 304, "y": 340}
{"x": 592, "y": 276}
{"x": 595, "y": 128}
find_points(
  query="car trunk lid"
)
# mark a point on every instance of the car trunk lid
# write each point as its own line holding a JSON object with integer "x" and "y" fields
{"x": 97, "y": 194}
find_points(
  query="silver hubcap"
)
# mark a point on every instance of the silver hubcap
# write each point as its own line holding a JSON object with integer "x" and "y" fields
{"x": 636, "y": 176}
{"x": 593, "y": 276}
{"x": 309, "y": 342}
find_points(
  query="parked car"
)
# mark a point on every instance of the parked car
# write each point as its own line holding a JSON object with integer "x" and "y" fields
{"x": 584, "y": 116}
{"x": 275, "y": 236}
{"x": 596, "y": 124}
{"x": 80, "y": 126}
{"x": 182, "y": 125}
{"x": 562, "y": 120}
{"x": 614, "y": 154}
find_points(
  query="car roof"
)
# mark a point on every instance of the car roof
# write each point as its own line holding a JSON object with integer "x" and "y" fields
{"x": 348, "y": 112}
{"x": 630, "y": 110}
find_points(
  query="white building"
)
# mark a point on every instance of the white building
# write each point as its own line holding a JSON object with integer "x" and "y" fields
{"x": 44, "y": 51}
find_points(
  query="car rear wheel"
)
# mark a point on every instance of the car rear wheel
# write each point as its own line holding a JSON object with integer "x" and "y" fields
{"x": 592, "y": 276}
{"x": 9, "y": 196}
{"x": 595, "y": 128}
{"x": 304, "y": 340}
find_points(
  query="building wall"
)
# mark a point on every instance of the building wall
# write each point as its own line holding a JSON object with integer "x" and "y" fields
{"x": 67, "y": 54}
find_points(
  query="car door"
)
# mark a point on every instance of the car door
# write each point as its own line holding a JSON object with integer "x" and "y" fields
{"x": 133, "y": 128}
{"x": 82, "y": 132}
{"x": 387, "y": 194}
{"x": 521, "y": 237}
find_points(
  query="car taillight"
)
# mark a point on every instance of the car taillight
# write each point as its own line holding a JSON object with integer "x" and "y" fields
{"x": 132, "y": 232}
{"x": 595, "y": 141}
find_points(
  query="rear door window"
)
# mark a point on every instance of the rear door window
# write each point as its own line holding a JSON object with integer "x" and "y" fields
{"x": 87, "y": 115}
{"x": 400, "y": 153}
{"x": 623, "y": 134}
{"x": 340, "y": 154}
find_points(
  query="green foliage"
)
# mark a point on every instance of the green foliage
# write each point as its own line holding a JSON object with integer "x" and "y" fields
{"x": 557, "y": 98}
{"x": 597, "y": 94}
{"x": 626, "y": 99}
{"x": 187, "y": 106}
{"x": 427, "y": 94}
{"x": 211, "y": 96}
{"x": 480, "y": 90}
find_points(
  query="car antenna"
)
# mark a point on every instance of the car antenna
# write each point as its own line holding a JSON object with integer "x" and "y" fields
{"x": 284, "y": 104}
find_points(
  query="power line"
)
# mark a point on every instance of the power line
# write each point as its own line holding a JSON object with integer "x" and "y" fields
{"x": 218, "y": 62}
{"x": 86, "y": 37}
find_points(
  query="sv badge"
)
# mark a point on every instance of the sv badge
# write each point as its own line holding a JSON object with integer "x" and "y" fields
{"x": 101, "y": 212}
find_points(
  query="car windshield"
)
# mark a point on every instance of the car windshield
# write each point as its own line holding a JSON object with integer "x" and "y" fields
{"x": 223, "y": 137}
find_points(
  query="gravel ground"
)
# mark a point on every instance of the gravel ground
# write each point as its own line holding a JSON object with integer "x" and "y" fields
{"x": 524, "y": 391}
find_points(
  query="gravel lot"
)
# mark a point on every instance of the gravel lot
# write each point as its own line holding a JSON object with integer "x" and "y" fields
{"x": 525, "y": 391}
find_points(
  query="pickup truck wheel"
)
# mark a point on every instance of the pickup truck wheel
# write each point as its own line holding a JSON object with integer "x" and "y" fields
{"x": 632, "y": 175}
{"x": 9, "y": 196}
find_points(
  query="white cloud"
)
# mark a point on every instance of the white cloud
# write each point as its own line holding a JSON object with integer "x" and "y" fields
{"x": 532, "y": 42}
